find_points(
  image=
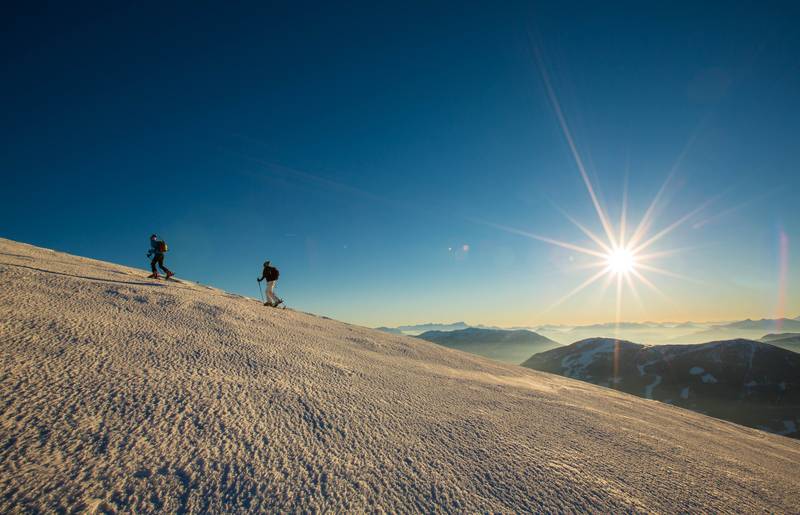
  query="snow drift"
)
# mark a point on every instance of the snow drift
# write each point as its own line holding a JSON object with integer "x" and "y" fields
{"x": 126, "y": 394}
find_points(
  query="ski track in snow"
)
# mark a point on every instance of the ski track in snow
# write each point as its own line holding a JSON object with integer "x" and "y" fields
{"x": 648, "y": 389}
{"x": 130, "y": 395}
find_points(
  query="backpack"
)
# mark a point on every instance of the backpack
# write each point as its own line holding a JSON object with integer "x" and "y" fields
{"x": 161, "y": 246}
{"x": 272, "y": 274}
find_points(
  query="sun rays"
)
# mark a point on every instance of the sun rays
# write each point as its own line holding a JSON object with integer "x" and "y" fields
{"x": 623, "y": 254}
{"x": 621, "y": 261}
{"x": 618, "y": 253}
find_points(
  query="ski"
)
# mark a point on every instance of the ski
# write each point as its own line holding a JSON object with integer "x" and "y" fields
{"x": 170, "y": 279}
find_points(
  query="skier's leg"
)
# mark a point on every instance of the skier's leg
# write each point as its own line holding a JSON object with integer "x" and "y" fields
{"x": 275, "y": 295}
{"x": 163, "y": 268}
{"x": 270, "y": 292}
{"x": 153, "y": 264}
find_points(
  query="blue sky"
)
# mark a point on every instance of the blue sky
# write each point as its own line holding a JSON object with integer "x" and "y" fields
{"x": 361, "y": 147}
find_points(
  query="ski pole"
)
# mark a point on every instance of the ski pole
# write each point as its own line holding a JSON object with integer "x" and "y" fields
{"x": 261, "y": 293}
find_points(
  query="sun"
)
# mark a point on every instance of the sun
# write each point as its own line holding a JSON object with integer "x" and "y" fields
{"x": 621, "y": 261}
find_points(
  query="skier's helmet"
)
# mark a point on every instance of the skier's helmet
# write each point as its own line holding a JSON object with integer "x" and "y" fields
{"x": 266, "y": 263}
{"x": 153, "y": 237}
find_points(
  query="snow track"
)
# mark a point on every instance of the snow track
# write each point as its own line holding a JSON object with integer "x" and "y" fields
{"x": 121, "y": 394}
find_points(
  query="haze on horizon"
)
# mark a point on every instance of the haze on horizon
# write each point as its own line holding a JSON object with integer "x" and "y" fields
{"x": 394, "y": 162}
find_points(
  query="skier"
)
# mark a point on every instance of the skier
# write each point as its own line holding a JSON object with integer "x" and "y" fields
{"x": 271, "y": 274}
{"x": 157, "y": 250}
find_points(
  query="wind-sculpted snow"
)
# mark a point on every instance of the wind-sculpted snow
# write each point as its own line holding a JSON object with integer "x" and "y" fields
{"x": 122, "y": 394}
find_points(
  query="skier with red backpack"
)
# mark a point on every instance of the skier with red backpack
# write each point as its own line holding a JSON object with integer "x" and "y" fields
{"x": 157, "y": 250}
{"x": 271, "y": 274}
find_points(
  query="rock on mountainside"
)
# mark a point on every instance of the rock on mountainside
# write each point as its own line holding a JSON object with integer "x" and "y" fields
{"x": 126, "y": 394}
{"x": 510, "y": 346}
{"x": 747, "y": 382}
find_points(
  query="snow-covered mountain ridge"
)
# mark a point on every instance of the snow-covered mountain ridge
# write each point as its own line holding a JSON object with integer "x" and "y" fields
{"x": 751, "y": 383}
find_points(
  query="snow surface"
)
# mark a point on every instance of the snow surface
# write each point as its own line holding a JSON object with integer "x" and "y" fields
{"x": 126, "y": 394}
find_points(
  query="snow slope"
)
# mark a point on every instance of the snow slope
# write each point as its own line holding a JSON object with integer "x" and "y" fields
{"x": 126, "y": 394}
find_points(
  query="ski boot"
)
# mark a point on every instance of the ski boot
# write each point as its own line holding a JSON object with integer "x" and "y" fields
{"x": 154, "y": 275}
{"x": 169, "y": 274}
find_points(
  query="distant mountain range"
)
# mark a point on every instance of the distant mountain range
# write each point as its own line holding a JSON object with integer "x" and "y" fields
{"x": 510, "y": 346}
{"x": 757, "y": 325}
{"x": 649, "y": 332}
{"x": 790, "y": 341}
{"x": 750, "y": 329}
{"x": 747, "y": 382}
{"x": 390, "y": 330}
{"x": 672, "y": 332}
{"x": 414, "y": 330}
